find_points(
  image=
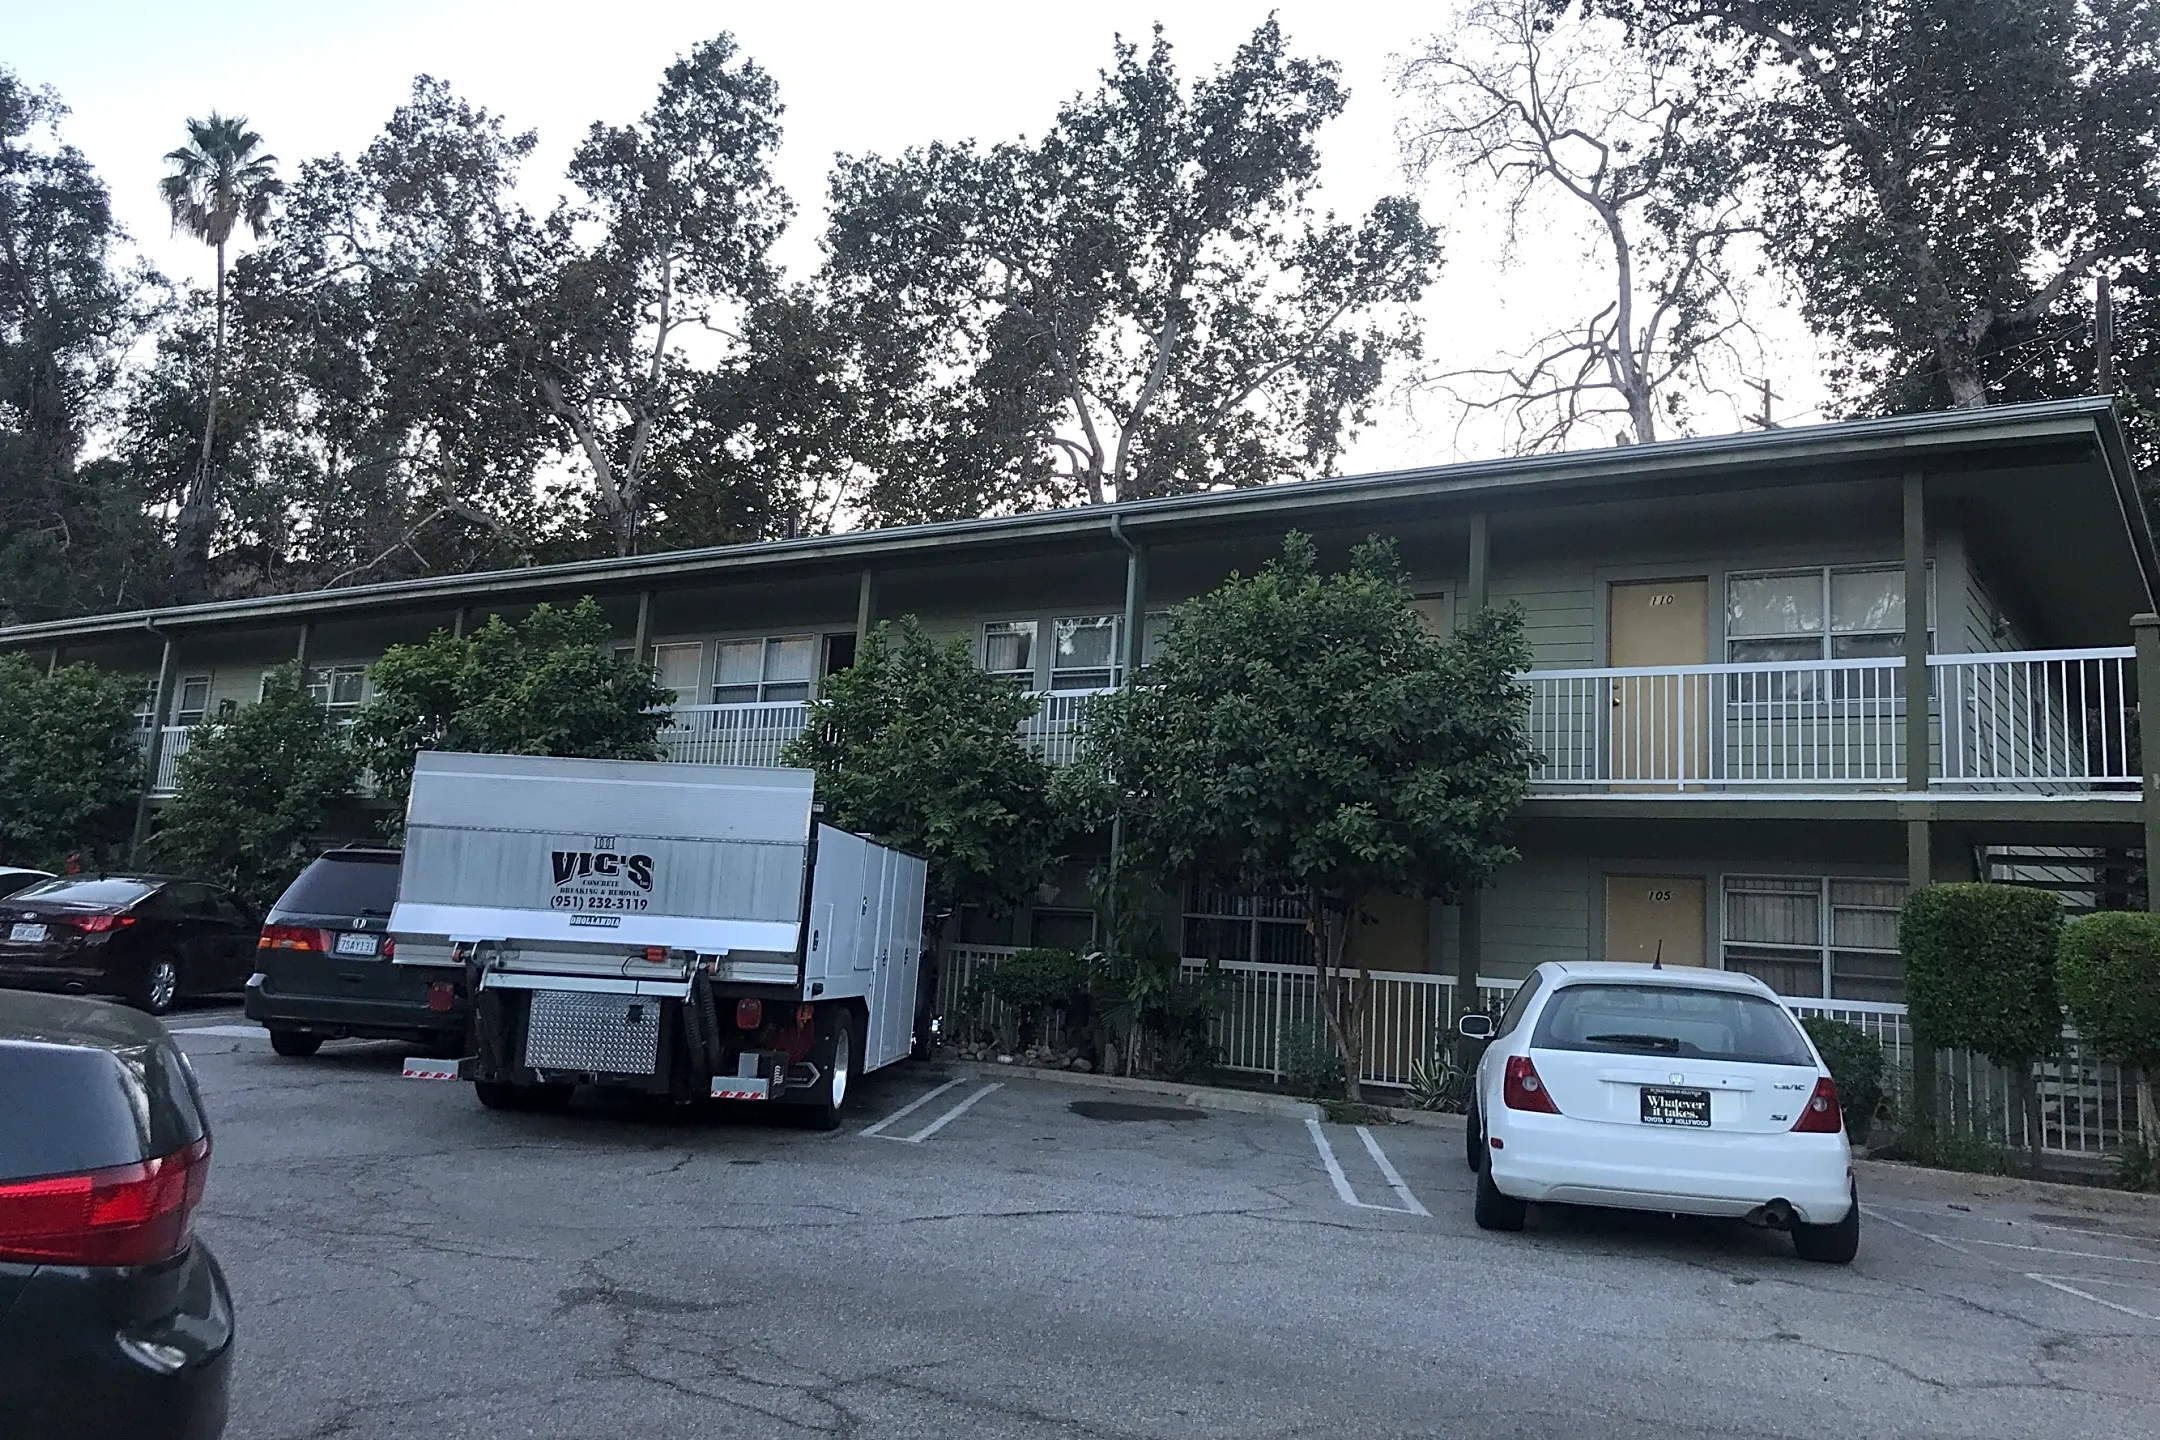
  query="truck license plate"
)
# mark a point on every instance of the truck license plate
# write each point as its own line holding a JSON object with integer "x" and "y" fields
{"x": 357, "y": 944}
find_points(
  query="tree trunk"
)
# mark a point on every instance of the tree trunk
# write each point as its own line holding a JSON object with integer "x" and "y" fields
{"x": 1329, "y": 936}
{"x": 2035, "y": 1121}
{"x": 198, "y": 507}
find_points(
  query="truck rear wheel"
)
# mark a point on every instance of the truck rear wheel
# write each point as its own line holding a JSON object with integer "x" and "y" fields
{"x": 836, "y": 1057}
{"x": 503, "y": 1095}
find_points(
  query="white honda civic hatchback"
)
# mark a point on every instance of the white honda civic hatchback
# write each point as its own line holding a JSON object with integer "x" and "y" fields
{"x": 1691, "y": 1092}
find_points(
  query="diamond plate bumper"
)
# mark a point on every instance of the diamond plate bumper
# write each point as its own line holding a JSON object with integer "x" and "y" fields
{"x": 605, "y": 1034}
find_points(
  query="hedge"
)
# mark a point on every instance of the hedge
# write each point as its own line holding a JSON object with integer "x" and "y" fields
{"x": 1980, "y": 969}
{"x": 2109, "y": 970}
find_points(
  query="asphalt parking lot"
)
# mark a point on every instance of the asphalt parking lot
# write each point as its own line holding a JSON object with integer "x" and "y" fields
{"x": 980, "y": 1257}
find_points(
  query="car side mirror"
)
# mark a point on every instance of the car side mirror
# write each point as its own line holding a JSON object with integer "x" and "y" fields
{"x": 1475, "y": 1026}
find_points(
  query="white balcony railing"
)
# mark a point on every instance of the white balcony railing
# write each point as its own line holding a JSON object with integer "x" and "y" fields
{"x": 2054, "y": 720}
{"x": 172, "y": 744}
{"x": 1054, "y": 730}
{"x": 739, "y": 734}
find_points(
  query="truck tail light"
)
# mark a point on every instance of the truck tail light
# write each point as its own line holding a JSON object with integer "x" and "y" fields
{"x": 656, "y": 954}
{"x": 1523, "y": 1089}
{"x": 440, "y": 997}
{"x": 749, "y": 1014}
{"x": 293, "y": 937}
{"x": 126, "y": 1215}
{"x": 1822, "y": 1115}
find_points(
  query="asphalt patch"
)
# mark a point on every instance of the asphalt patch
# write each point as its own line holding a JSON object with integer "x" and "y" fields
{"x": 1126, "y": 1110}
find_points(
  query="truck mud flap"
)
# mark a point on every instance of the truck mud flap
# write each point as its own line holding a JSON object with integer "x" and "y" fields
{"x": 417, "y": 1068}
{"x": 741, "y": 1087}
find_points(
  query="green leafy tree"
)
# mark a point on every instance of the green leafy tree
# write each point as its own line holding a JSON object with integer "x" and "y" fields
{"x": 219, "y": 180}
{"x": 2109, "y": 974}
{"x": 917, "y": 748}
{"x": 549, "y": 684}
{"x": 1146, "y": 301}
{"x": 1303, "y": 729}
{"x": 1980, "y": 976}
{"x": 254, "y": 790}
{"x": 69, "y": 762}
{"x": 74, "y": 533}
{"x": 684, "y": 209}
{"x": 1943, "y": 179}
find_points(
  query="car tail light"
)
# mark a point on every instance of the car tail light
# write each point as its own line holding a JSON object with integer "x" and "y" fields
{"x": 99, "y": 924}
{"x": 389, "y": 948}
{"x": 1524, "y": 1090}
{"x": 127, "y": 1215}
{"x": 293, "y": 937}
{"x": 749, "y": 1014}
{"x": 440, "y": 997}
{"x": 1822, "y": 1115}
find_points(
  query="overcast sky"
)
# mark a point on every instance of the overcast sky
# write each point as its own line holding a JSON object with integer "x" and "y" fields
{"x": 315, "y": 78}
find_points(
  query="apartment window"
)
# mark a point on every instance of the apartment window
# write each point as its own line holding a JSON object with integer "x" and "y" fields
{"x": 191, "y": 701}
{"x": 1062, "y": 930}
{"x": 1431, "y": 611}
{"x": 1816, "y": 937}
{"x": 678, "y": 668}
{"x": 768, "y": 670}
{"x": 337, "y": 688}
{"x": 1267, "y": 925}
{"x": 1009, "y": 649}
{"x": 1085, "y": 652}
{"x": 1816, "y": 614}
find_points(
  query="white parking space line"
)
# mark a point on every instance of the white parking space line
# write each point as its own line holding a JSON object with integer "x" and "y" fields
{"x": 1343, "y": 1189}
{"x": 1395, "y": 1181}
{"x": 241, "y": 1032}
{"x": 2053, "y": 1282}
{"x": 2056, "y": 1282}
{"x": 878, "y": 1131}
{"x": 912, "y": 1106}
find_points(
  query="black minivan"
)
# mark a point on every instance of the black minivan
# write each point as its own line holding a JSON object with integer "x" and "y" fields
{"x": 114, "y": 1316}
{"x": 323, "y": 967}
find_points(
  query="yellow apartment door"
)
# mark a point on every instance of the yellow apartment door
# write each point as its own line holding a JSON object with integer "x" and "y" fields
{"x": 1654, "y": 917}
{"x": 1660, "y": 723}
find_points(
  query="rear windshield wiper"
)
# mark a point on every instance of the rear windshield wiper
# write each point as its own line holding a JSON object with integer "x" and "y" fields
{"x": 1649, "y": 1042}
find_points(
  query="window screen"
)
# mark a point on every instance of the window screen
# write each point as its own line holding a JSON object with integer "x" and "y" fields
{"x": 1085, "y": 655}
{"x": 1811, "y": 937}
{"x": 772, "y": 670}
{"x": 1267, "y": 926}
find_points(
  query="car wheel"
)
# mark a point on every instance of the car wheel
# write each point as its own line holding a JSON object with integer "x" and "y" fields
{"x": 1495, "y": 1211}
{"x": 503, "y": 1095}
{"x": 836, "y": 1057}
{"x": 295, "y": 1044}
{"x": 1473, "y": 1140}
{"x": 160, "y": 986}
{"x": 1830, "y": 1244}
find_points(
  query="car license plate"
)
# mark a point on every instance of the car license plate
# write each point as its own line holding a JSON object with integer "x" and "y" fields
{"x": 1676, "y": 1107}
{"x": 357, "y": 944}
{"x": 23, "y": 931}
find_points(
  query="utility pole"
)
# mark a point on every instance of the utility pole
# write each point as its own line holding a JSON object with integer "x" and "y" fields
{"x": 2103, "y": 335}
{"x": 1763, "y": 421}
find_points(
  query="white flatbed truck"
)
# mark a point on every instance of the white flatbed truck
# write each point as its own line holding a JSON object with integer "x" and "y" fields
{"x": 690, "y": 931}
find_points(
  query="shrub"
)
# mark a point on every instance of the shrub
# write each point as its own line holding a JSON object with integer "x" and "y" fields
{"x": 2109, "y": 971}
{"x": 1856, "y": 1065}
{"x": 1310, "y": 1064}
{"x": 69, "y": 762}
{"x": 1980, "y": 969}
{"x": 1036, "y": 986}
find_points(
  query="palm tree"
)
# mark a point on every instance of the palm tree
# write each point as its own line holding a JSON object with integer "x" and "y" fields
{"x": 217, "y": 181}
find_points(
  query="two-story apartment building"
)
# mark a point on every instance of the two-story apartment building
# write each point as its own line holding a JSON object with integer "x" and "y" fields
{"x": 1729, "y": 636}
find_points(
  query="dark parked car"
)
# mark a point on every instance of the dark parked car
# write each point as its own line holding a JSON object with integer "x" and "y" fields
{"x": 148, "y": 939}
{"x": 323, "y": 967}
{"x": 114, "y": 1319}
{"x": 14, "y": 878}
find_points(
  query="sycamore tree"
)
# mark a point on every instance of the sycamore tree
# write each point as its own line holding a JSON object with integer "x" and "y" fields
{"x": 69, "y": 761}
{"x": 549, "y": 684}
{"x": 919, "y": 749}
{"x": 1144, "y": 301}
{"x": 254, "y": 790}
{"x": 1303, "y": 729}
{"x": 1942, "y": 180}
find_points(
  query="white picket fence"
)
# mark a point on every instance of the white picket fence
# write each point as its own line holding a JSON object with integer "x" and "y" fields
{"x": 2088, "y": 1107}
